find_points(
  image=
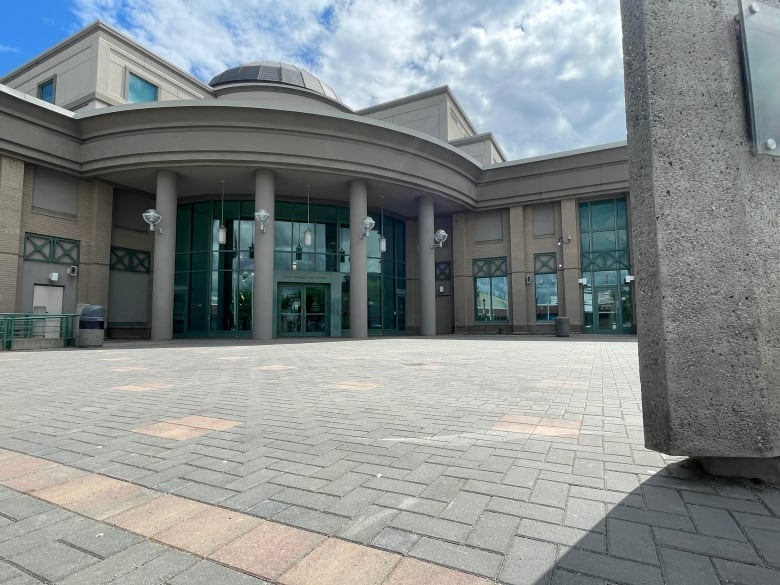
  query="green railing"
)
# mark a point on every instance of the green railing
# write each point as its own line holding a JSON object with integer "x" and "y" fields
{"x": 16, "y": 326}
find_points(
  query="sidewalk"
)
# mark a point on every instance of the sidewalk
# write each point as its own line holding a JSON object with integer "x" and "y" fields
{"x": 462, "y": 461}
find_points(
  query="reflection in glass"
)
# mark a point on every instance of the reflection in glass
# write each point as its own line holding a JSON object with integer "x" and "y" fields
{"x": 546, "y": 296}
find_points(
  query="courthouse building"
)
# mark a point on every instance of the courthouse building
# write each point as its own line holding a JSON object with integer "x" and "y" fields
{"x": 279, "y": 211}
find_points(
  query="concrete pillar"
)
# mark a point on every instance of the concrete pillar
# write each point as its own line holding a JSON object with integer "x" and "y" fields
{"x": 427, "y": 266}
{"x": 263, "y": 284}
{"x": 11, "y": 197}
{"x": 463, "y": 282}
{"x": 164, "y": 257}
{"x": 518, "y": 270}
{"x": 570, "y": 257}
{"x": 705, "y": 241}
{"x": 358, "y": 261}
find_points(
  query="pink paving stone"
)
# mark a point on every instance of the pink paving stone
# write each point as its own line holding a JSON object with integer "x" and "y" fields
{"x": 112, "y": 500}
{"x": 205, "y": 532}
{"x": 413, "y": 572}
{"x": 144, "y": 387}
{"x": 166, "y": 430}
{"x": 18, "y": 467}
{"x": 47, "y": 477}
{"x": 156, "y": 515}
{"x": 77, "y": 489}
{"x": 268, "y": 550}
{"x": 7, "y": 456}
{"x": 206, "y": 422}
{"x": 556, "y": 432}
{"x": 337, "y": 562}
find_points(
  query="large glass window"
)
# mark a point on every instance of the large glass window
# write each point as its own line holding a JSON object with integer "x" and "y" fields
{"x": 491, "y": 292}
{"x": 546, "y": 286}
{"x": 140, "y": 90}
{"x": 607, "y": 297}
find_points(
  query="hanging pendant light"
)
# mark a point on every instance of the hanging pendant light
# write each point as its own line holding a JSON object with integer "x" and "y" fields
{"x": 222, "y": 233}
{"x": 307, "y": 235}
{"x": 382, "y": 239}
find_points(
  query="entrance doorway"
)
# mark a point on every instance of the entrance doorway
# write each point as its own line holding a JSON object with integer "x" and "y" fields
{"x": 607, "y": 306}
{"x": 47, "y": 299}
{"x": 303, "y": 310}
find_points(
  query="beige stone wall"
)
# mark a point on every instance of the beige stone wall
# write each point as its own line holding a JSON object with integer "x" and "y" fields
{"x": 91, "y": 227}
{"x": 11, "y": 196}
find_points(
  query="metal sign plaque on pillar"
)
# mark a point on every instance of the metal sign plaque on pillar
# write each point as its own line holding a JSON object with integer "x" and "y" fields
{"x": 760, "y": 30}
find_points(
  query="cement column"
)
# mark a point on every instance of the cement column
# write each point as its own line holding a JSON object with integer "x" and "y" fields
{"x": 358, "y": 261}
{"x": 518, "y": 269}
{"x": 164, "y": 257}
{"x": 11, "y": 233}
{"x": 427, "y": 263}
{"x": 705, "y": 241}
{"x": 570, "y": 257}
{"x": 263, "y": 284}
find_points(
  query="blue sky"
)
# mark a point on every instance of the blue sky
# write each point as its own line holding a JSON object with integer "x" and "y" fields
{"x": 542, "y": 76}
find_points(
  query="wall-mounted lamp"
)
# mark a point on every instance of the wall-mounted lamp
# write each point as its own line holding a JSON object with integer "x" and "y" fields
{"x": 261, "y": 217}
{"x": 222, "y": 233}
{"x": 366, "y": 224}
{"x": 562, "y": 240}
{"x": 307, "y": 235}
{"x": 152, "y": 217}
{"x": 439, "y": 237}
{"x": 629, "y": 278}
{"x": 582, "y": 281}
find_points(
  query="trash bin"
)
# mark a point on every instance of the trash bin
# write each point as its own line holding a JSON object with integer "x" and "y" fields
{"x": 562, "y": 327}
{"x": 92, "y": 324}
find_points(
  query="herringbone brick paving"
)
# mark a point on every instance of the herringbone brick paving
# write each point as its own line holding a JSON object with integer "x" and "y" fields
{"x": 519, "y": 460}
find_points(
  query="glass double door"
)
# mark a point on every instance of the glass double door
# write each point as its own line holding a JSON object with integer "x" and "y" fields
{"x": 303, "y": 310}
{"x": 607, "y": 306}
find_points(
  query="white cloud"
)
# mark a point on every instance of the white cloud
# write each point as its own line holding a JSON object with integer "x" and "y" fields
{"x": 7, "y": 49}
{"x": 542, "y": 75}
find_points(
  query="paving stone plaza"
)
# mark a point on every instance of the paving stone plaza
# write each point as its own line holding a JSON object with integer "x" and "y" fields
{"x": 451, "y": 460}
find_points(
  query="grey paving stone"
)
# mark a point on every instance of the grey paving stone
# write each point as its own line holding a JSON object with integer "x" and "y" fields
{"x": 714, "y": 522}
{"x": 267, "y": 508}
{"x": 588, "y": 467}
{"x": 207, "y": 573}
{"x": 585, "y": 514}
{"x": 443, "y": 488}
{"x": 368, "y": 524}
{"x": 497, "y": 489}
{"x": 768, "y": 544}
{"x": 99, "y": 539}
{"x": 549, "y": 493}
{"x": 581, "y": 480}
{"x": 435, "y": 527}
{"x": 202, "y": 492}
{"x": 607, "y": 496}
{"x": 411, "y": 503}
{"x": 629, "y": 540}
{"x": 53, "y": 561}
{"x": 755, "y": 521}
{"x": 313, "y": 520}
{"x": 529, "y": 562}
{"x": 16, "y": 529}
{"x": 466, "y": 507}
{"x": 610, "y": 568}
{"x": 772, "y": 501}
{"x": 561, "y": 577}
{"x": 526, "y": 510}
{"x": 395, "y": 540}
{"x": 21, "y": 507}
{"x": 731, "y": 504}
{"x": 245, "y": 500}
{"x": 159, "y": 570}
{"x": 707, "y": 545}
{"x": 458, "y": 556}
{"x": 562, "y": 535}
{"x": 493, "y": 532}
{"x": 652, "y": 518}
{"x": 664, "y": 500}
{"x": 744, "y": 574}
{"x": 395, "y": 485}
{"x": 683, "y": 568}
{"x": 306, "y": 499}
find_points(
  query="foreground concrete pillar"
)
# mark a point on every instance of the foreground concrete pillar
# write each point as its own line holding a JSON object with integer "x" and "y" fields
{"x": 705, "y": 233}
{"x": 164, "y": 257}
{"x": 263, "y": 285}
{"x": 427, "y": 266}
{"x": 358, "y": 261}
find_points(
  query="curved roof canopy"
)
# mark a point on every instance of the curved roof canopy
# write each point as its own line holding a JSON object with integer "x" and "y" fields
{"x": 273, "y": 72}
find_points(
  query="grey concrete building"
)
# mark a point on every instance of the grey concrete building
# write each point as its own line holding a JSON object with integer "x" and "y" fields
{"x": 266, "y": 187}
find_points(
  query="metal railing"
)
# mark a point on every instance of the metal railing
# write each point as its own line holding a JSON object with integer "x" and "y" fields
{"x": 17, "y": 326}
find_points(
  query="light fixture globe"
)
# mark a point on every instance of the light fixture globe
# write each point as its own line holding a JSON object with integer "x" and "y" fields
{"x": 152, "y": 217}
{"x": 367, "y": 224}
{"x": 439, "y": 237}
{"x": 261, "y": 217}
{"x": 307, "y": 238}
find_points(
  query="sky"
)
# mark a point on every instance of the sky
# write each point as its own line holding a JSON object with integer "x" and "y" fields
{"x": 543, "y": 76}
